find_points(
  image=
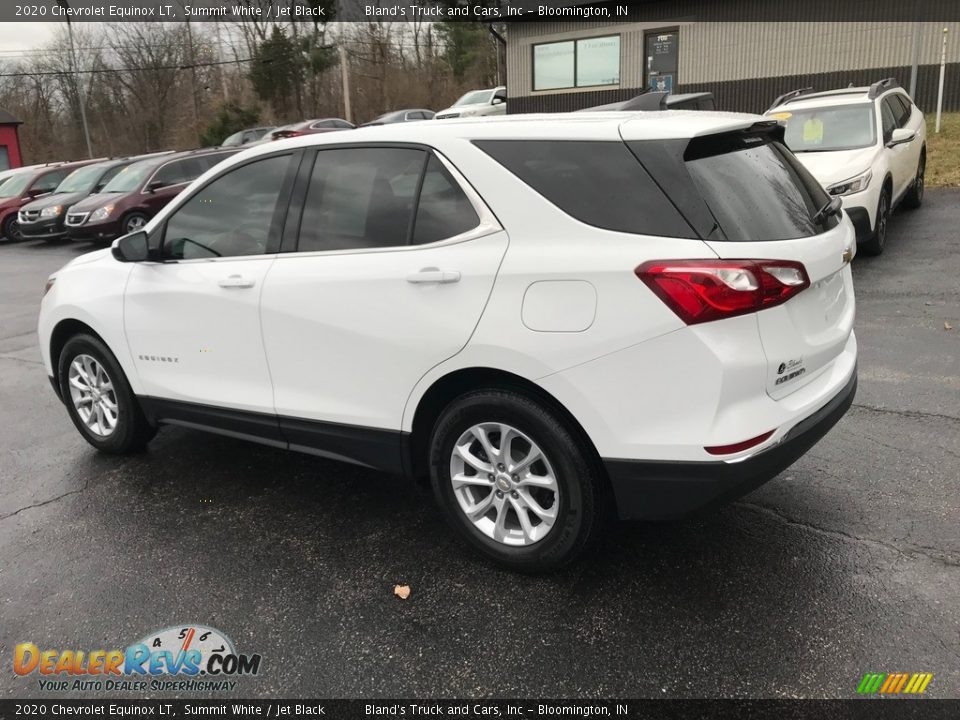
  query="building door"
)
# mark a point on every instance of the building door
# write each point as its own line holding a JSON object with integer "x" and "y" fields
{"x": 662, "y": 58}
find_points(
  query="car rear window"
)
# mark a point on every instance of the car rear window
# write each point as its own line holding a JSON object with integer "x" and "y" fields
{"x": 599, "y": 183}
{"x": 754, "y": 187}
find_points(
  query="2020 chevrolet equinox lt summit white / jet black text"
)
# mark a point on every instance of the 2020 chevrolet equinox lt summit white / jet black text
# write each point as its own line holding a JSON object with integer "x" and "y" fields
{"x": 546, "y": 315}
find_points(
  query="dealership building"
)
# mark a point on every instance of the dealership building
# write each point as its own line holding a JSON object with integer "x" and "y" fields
{"x": 709, "y": 45}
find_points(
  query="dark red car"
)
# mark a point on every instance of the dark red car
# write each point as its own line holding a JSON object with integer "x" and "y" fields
{"x": 309, "y": 127}
{"x": 137, "y": 193}
{"x": 26, "y": 186}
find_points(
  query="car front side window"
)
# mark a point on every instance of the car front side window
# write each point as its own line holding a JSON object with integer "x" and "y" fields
{"x": 233, "y": 215}
{"x": 888, "y": 119}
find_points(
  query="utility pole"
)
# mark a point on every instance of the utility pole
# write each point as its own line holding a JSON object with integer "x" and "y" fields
{"x": 223, "y": 75}
{"x": 943, "y": 64}
{"x": 64, "y": 4}
{"x": 193, "y": 82}
{"x": 345, "y": 76}
{"x": 916, "y": 60}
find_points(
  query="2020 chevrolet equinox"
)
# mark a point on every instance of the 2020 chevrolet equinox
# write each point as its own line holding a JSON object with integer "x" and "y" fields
{"x": 549, "y": 316}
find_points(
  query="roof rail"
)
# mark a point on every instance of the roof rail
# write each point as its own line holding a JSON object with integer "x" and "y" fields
{"x": 788, "y": 96}
{"x": 882, "y": 86}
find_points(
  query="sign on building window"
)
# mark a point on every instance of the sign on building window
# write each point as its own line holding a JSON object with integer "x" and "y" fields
{"x": 662, "y": 59}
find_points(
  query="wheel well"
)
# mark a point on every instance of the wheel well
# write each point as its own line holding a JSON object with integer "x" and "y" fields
{"x": 457, "y": 383}
{"x": 64, "y": 330}
{"x": 888, "y": 183}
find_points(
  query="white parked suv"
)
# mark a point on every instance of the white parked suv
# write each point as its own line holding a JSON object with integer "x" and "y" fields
{"x": 547, "y": 316}
{"x": 866, "y": 145}
{"x": 477, "y": 103}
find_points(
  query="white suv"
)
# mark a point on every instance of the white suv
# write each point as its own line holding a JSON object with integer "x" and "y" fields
{"x": 866, "y": 145}
{"x": 548, "y": 316}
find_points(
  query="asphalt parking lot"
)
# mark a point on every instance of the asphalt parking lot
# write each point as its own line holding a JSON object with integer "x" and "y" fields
{"x": 847, "y": 563}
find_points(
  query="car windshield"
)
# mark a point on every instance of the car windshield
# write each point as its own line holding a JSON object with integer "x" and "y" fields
{"x": 235, "y": 139}
{"x": 475, "y": 97}
{"x": 15, "y": 185}
{"x": 130, "y": 178}
{"x": 823, "y": 129}
{"x": 80, "y": 180}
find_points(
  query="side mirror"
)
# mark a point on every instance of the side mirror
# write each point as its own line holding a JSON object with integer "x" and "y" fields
{"x": 155, "y": 185}
{"x": 900, "y": 136}
{"x": 131, "y": 248}
{"x": 497, "y": 100}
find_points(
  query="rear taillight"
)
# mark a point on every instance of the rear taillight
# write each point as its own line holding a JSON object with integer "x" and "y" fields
{"x": 703, "y": 290}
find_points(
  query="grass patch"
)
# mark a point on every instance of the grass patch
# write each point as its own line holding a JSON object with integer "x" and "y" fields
{"x": 943, "y": 151}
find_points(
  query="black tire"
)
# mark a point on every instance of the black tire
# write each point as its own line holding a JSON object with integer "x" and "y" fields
{"x": 11, "y": 228}
{"x": 914, "y": 197}
{"x": 132, "y": 431}
{"x": 580, "y": 505}
{"x": 876, "y": 243}
{"x": 132, "y": 219}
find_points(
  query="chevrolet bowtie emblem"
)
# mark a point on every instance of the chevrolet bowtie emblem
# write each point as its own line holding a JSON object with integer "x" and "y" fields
{"x": 847, "y": 255}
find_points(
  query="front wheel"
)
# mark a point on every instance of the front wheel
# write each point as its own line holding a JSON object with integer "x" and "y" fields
{"x": 133, "y": 222}
{"x": 875, "y": 245}
{"x": 914, "y": 197}
{"x": 99, "y": 399}
{"x": 514, "y": 481}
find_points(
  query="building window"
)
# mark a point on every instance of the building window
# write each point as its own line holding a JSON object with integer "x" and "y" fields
{"x": 577, "y": 63}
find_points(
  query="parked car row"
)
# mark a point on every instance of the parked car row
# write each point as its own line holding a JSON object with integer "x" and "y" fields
{"x": 97, "y": 199}
{"x": 476, "y": 103}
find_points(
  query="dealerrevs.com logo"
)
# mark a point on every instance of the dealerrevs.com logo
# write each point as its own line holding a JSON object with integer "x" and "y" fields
{"x": 178, "y": 658}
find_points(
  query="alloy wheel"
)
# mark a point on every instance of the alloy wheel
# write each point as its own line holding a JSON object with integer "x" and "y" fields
{"x": 134, "y": 223}
{"x": 504, "y": 484}
{"x": 93, "y": 395}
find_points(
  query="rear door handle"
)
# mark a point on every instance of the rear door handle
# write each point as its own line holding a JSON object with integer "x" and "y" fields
{"x": 236, "y": 281}
{"x": 434, "y": 275}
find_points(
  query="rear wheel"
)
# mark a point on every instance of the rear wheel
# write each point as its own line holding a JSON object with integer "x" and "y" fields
{"x": 513, "y": 481}
{"x": 11, "y": 228}
{"x": 99, "y": 399}
{"x": 914, "y": 197}
{"x": 875, "y": 245}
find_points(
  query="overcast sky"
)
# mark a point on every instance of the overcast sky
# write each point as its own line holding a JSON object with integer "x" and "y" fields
{"x": 24, "y": 35}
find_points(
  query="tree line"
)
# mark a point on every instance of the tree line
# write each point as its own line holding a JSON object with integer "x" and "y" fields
{"x": 157, "y": 86}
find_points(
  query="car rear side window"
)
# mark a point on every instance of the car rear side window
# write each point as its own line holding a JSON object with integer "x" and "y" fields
{"x": 360, "y": 198}
{"x": 599, "y": 183}
{"x": 444, "y": 210}
{"x": 755, "y": 188}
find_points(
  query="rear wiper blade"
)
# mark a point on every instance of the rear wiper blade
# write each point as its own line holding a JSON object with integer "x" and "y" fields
{"x": 832, "y": 207}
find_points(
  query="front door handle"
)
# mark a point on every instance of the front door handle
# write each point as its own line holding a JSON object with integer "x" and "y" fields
{"x": 236, "y": 281}
{"x": 434, "y": 275}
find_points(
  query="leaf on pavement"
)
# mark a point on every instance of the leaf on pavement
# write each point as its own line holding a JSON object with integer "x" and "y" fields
{"x": 947, "y": 326}
{"x": 401, "y": 591}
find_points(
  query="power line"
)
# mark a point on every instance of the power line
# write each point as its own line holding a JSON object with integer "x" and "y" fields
{"x": 120, "y": 70}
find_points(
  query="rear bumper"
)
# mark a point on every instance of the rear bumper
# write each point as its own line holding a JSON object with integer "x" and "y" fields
{"x": 646, "y": 490}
